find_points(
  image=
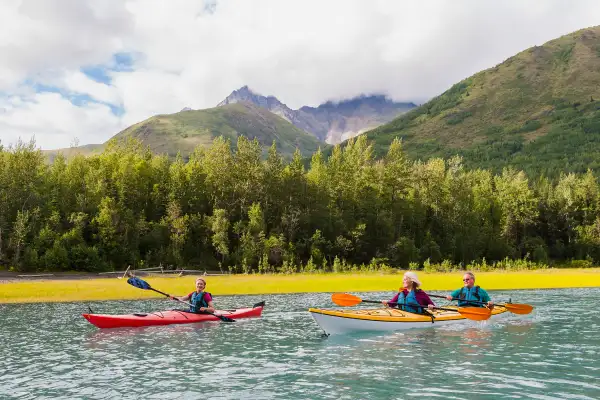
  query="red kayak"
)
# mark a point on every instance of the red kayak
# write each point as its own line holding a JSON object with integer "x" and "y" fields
{"x": 169, "y": 317}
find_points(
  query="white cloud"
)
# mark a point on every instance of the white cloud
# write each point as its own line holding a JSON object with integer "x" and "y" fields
{"x": 80, "y": 83}
{"x": 43, "y": 36}
{"x": 54, "y": 121}
{"x": 304, "y": 52}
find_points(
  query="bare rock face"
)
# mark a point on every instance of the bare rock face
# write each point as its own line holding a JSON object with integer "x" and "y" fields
{"x": 331, "y": 122}
{"x": 349, "y": 118}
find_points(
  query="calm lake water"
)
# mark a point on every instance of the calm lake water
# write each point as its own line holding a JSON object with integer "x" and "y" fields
{"x": 50, "y": 351}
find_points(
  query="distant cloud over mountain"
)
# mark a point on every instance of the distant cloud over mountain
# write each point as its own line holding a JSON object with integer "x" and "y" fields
{"x": 331, "y": 122}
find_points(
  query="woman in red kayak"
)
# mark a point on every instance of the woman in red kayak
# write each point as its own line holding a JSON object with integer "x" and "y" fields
{"x": 200, "y": 300}
{"x": 410, "y": 297}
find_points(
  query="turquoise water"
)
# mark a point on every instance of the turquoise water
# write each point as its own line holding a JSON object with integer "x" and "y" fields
{"x": 50, "y": 351}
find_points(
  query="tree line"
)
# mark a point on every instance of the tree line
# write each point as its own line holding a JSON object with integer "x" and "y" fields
{"x": 233, "y": 208}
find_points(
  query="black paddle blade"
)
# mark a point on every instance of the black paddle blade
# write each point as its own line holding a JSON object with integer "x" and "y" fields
{"x": 260, "y": 304}
{"x": 138, "y": 283}
{"x": 224, "y": 318}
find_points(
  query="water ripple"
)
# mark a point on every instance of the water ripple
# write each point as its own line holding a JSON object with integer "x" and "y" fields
{"x": 551, "y": 353}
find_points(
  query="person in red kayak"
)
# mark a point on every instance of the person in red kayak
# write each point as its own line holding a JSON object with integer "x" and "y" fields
{"x": 200, "y": 300}
{"x": 410, "y": 297}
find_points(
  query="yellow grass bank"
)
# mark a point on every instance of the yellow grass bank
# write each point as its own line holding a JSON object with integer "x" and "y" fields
{"x": 118, "y": 289}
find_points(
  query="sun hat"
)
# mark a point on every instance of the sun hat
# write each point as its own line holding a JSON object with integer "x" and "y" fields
{"x": 413, "y": 277}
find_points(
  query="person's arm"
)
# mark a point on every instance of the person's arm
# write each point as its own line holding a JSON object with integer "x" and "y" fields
{"x": 210, "y": 308}
{"x": 393, "y": 300}
{"x": 424, "y": 300}
{"x": 182, "y": 298}
{"x": 485, "y": 297}
{"x": 453, "y": 295}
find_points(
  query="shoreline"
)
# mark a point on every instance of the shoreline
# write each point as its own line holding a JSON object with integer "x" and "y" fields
{"x": 86, "y": 288}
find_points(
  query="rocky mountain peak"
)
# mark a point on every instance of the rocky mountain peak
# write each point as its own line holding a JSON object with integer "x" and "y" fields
{"x": 332, "y": 121}
{"x": 245, "y": 94}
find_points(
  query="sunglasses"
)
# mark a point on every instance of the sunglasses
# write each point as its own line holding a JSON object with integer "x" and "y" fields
{"x": 467, "y": 280}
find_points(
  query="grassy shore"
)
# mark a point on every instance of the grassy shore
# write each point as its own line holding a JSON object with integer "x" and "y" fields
{"x": 118, "y": 289}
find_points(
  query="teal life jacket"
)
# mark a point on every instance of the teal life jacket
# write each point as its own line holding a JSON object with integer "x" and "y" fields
{"x": 467, "y": 296}
{"x": 198, "y": 301}
{"x": 409, "y": 303}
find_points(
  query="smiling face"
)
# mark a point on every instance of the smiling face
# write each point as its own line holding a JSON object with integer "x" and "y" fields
{"x": 406, "y": 283}
{"x": 468, "y": 280}
{"x": 200, "y": 285}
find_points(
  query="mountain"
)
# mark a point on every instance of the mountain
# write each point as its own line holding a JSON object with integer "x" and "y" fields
{"x": 330, "y": 122}
{"x": 183, "y": 131}
{"x": 352, "y": 117}
{"x": 85, "y": 150}
{"x": 538, "y": 111}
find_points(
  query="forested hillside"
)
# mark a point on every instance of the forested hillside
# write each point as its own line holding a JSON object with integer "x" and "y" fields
{"x": 538, "y": 111}
{"x": 236, "y": 210}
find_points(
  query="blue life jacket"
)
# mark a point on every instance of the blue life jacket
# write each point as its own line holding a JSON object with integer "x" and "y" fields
{"x": 409, "y": 303}
{"x": 198, "y": 301}
{"x": 465, "y": 295}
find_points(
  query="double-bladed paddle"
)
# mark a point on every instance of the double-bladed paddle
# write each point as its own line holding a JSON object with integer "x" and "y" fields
{"x": 474, "y": 313}
{"x": 512, "y": 307}
{"x": 142, "y": 284}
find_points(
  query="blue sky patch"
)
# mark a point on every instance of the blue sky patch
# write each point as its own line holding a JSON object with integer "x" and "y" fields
{"x": 97, "y": 73}
{"x": 101, "y": 72}
{"x": 123, "y": 61}
{"x": 77, "y": 99}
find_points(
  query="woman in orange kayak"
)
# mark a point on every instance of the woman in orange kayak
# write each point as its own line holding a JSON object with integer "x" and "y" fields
{"x": 410, "y": 297}
{"x": 200, "y": 300}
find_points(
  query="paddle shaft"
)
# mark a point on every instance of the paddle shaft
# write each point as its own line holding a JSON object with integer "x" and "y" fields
{"x": 412, "y": 305}
{"x": 468, "y": 301}
{"x": 169, "y": 296}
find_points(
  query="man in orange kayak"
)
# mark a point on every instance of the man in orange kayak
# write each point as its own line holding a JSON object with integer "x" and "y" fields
{"x": 410, "y": 297}
{"x": 201, "y": 301}
{"x": 470, "y": 295}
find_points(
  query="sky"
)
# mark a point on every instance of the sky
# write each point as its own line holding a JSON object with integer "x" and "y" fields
{"x": 75, "y": 72}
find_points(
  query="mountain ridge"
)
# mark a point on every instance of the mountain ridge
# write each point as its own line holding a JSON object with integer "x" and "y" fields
{"x": 331, "y": 122}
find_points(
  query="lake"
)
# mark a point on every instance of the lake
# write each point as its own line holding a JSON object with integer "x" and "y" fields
{"x": 50, "y": 351}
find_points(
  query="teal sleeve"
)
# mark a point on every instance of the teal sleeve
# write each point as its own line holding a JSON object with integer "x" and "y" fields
{"x": 455, "y": 293}
{"x": 485, "y": 297}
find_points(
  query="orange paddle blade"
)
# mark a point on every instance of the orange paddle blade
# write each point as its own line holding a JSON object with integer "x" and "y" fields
{"x": 517, "y": 308}
{"x": 475, "y": 313}
{"x": 345, "y": 299}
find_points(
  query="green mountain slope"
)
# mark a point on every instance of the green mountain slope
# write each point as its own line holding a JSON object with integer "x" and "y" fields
{"x": 538, "y": 111}
{"x": 185, "y": 130}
